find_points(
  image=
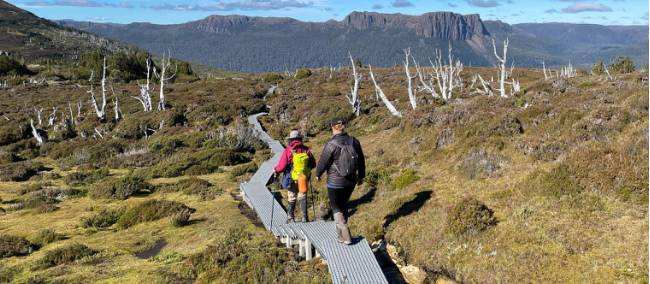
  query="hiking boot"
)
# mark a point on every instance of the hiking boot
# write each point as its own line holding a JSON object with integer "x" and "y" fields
{"x": 342, "y": 230}
{"x": 290, "y": 207}
{"x": 341, "y": 240}
{"x": 303, "y": 209}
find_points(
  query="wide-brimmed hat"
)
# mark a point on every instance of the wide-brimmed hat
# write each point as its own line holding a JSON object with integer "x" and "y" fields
{"x": 294, "y": 134}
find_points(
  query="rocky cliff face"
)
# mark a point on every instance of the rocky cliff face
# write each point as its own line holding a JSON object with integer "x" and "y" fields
{"x": 227, "y": 24}
{"x": 445, "y": 25}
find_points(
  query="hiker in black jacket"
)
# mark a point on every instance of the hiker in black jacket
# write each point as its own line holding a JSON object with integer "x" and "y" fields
{"x": 345, "y": 164}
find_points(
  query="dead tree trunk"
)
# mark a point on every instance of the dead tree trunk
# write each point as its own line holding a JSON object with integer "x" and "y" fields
{"x": 446, "y": 74}
{"x": 145, "y": 91}
{"x": 391, "y": 108}
{"x": 100, "y": 111}
{"x": 502, "y": 66}
{"x": 52, "y": 118}
{"x": 116, "y": 109}
{"x": 39, "y": 139}
{"x": 409, "y": 79}
{"x": 353, "y": 98}
{"x": 164, "y": 78}
{"x": 545, "y": 74}
{"x": 39, "y": 113}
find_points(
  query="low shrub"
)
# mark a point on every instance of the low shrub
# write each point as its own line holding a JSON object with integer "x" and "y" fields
{"x": 480, "y": 164}
{"x": 181, "y": 218}
{"x": 197, "y": 163}
{"x": 194, "y": 186}
{"x": 45, "y": 200}
{"x": 45, "y": 237}
{"x": 469, "y": 217}
{"x": 86, "y": 177}
{"x": 14, "y": 246}
{"x": 405, "y": 178}
{"x": 302, "y": 73}
{"x": 66, "y": 254}
{"x": 241, "y": 170}
{"x": 150, "y": 210}
{"x": 19, "y": 171}
{"x": 121, "y": 188}
{"x": 375, "y": 177}
{"x": 103, "y": 219}
{"x": 231, "y": 260}
{"x": 273, "y": 78}
{"x": 8, "y": 157}
{"x": 558, "y": 182}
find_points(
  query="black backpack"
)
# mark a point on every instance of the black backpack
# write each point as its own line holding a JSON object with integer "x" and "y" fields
{"x": 348, "y": 158}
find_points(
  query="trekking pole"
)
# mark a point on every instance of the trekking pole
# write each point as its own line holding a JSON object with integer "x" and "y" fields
{"x": 313, "y": 204}
{"x": 277, "y": 185}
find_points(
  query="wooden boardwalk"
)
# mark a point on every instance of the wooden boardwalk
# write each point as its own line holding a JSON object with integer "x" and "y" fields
{"x": 347, "y": 264}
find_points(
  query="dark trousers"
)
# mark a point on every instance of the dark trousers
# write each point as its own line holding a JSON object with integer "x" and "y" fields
{"x": 339, "y": 198}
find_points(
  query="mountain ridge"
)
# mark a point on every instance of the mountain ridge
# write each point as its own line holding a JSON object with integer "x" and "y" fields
{"x": 232, "y": 41}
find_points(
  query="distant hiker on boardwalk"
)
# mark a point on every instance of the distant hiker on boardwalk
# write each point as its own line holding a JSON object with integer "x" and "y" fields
{"x": 345, "y": 164}
{"x": 295, "y": 165}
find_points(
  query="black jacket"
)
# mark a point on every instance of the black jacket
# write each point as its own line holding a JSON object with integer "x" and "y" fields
{"x": 330, "y": 155}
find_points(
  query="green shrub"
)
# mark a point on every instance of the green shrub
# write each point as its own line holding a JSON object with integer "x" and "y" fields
{"x": 103, "y": 219}
{"x": 598, "y": 68}
{"x": 231, "y": 260}
{"x": 622, "y": 65}
{"x": 194, "y": 186}
{"x": 45, "y": 237}
{"x": 375, "y": 177}
{"x": 150, "y": 210}
{"x": 302, "y": 73}
{"x": 560, "y": 181}
{"x": 197, "y": 163}
{"x": 14, "y": 246}
{"x": 405, "y": 178}
{"x": 273, "y": 78}
{"x": 241, "y": 170}
{"x": 121, "y": 188}
{"x": 181, "y": 218}
{"x": 10, "y": 66}
{"x": 66, "y": 254}
{"x": 166, "y": 146}
{"x": 45, "y": 200}
{"x": 8, "y": 157}
{"x": 86, "y": 177}
{"x": 469, "y": 216}
{"x": 19, "y": 171}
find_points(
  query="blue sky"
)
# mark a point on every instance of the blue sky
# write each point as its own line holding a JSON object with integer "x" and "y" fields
{"x": 608, "y": 12}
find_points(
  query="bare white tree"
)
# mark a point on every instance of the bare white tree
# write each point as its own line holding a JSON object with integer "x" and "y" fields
{"x": 164, "y": 77}
{"x": 391, "y": 108}
{"x": 100, "y": 111}
{"x": 116, "y": 109}
{"x": 79, "y": 107}
{"x": 409, "y": 79}
{"x": 487, "y": 88}
{"x": 447, "y": 75}
{"x": 39, "y": 139}
{"x": 39, "y": 113}
{"x": 425, "y": 84}
{"x": 568, "y": 71}
{"x": 145, "y": 91}
{"x": 72, "y": 121}
{"x": 609, "y": 76}
{"x": 502, "y": 66}
{"x": 52, "y": 118}
{"x": 544, "y": 67}
{"x": 353, "y": 98}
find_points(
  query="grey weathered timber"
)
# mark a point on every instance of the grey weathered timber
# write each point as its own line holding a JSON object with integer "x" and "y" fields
{"x": 347, "y": 264}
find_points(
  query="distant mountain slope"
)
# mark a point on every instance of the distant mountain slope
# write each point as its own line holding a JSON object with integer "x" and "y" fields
{"x": 26, "y": 35}
{"x": 245, "y": 43}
